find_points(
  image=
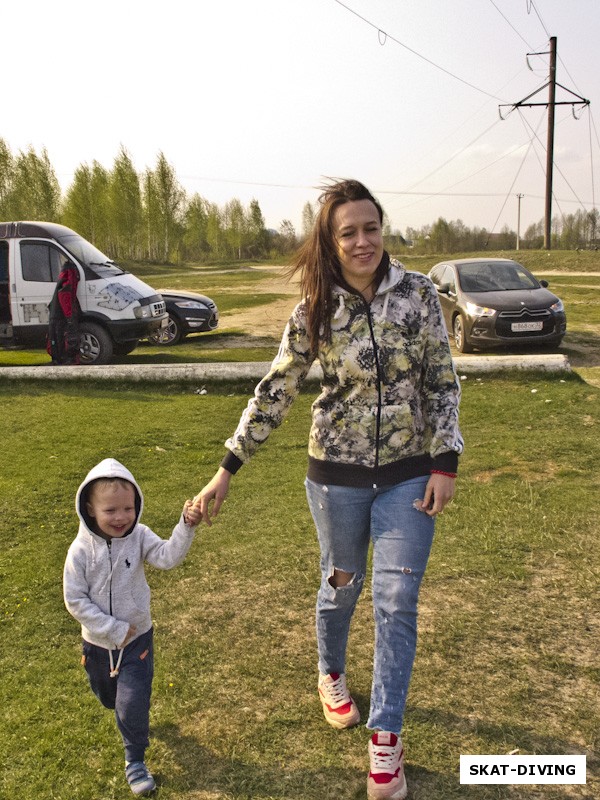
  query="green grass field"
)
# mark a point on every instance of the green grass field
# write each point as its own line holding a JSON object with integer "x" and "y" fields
{"x": 510, "y": 608}
{"x": 508, "y": 652}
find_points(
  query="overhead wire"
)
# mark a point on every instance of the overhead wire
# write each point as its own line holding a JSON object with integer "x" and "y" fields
{"x": 503, "y": 15}
{"x": 444, "y": 193}
{"x": 386, "y": 35}
{"x": 530, "y": 5}
{"x": 456, "y": 155}
{"x": 514, "y": 180}
{"x": 541, "y": 164}
{"x": 578, "y": 200}
{"x": 452, "y": 133}
{"x": 383, "y": 37}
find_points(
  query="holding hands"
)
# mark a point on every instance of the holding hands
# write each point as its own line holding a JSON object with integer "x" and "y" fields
{"x": 191, "y": 514}
{"x": 209, "y": 501}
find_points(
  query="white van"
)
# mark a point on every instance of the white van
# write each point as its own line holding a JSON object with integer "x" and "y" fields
{"x": 117, "y": 309}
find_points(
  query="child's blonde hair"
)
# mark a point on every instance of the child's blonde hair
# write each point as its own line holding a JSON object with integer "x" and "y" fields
{"x": 103, "y": 483}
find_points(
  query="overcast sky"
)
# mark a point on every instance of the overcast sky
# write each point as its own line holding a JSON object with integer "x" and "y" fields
{"x": 262, "y": 99}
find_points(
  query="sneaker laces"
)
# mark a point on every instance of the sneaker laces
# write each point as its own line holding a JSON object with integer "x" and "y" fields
{"x": 385, "y": 757}
{"x": 336, "y": 691}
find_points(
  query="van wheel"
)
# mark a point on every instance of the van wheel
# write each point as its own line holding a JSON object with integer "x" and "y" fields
{"x": 95, "y": 345}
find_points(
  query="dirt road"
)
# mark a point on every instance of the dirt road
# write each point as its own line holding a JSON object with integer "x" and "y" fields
{"x": 268, "y": 320}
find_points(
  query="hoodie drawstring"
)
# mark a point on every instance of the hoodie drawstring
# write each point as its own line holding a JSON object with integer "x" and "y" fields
{"x": 341, "y": 307}
{"x": 385, "y": 306}
{"x": 114, "y": 671}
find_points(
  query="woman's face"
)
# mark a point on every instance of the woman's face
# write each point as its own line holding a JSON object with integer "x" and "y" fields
{"x": 359, "y": 241}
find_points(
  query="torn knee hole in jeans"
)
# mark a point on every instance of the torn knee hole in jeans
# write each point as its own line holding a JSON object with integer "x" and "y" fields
{"x": 340, "y": 578}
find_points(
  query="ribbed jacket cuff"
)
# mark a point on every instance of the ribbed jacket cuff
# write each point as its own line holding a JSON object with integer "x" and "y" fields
{"x": 446, "y": 462}
{"x": 231, "y": 463}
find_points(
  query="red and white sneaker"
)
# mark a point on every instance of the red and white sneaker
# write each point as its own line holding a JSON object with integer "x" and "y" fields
{"x": 386, "y": 779}
{"x": 338, "y": 706}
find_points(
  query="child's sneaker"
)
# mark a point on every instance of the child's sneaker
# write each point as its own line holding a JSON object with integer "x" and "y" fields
{"x": 338, "y": 706}
{"x": 139, "y": 779}
{"x": 386, "y": 779}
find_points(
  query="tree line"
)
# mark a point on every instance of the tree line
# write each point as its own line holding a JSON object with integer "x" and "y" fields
{"x": 570, "y": 232}
{"x": 136, "y": 217}
{"x": 150, "y": 217}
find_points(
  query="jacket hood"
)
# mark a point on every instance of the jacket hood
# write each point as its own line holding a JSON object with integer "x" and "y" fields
{"x": 394, "y": 275}
{"x": 108, "y": 468}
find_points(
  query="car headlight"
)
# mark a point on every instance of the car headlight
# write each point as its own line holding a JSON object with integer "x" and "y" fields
{"x": 558, "y": 306}
{"x": 141, "y": 312}
{"x": 189, "y": 304}
{"x": 474, "y": 310}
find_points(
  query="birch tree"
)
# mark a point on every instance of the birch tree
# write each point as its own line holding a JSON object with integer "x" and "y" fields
{"x": 125, "y": 203}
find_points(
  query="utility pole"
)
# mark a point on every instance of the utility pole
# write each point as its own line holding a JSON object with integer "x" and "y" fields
{"x": 550, "y": 105}
{"x": 550, "y": 145}
{"x": 519, "y": 196}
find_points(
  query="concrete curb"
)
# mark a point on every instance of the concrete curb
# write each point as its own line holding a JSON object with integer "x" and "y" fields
{"x": 554, "y": 362}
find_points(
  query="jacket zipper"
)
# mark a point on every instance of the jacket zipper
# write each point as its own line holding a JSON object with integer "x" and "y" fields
{"x": 109, "y": 545}
{"x": 379, "y": 385}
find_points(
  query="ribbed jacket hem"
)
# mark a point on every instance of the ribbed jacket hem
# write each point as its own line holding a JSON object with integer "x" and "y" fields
{"x": 332, "y": 473}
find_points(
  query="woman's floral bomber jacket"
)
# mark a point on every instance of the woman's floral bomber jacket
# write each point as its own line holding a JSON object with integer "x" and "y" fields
{"x": 389, "y": 391}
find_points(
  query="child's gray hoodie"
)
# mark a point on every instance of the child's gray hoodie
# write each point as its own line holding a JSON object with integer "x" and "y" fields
{"x": 105, "y": 587}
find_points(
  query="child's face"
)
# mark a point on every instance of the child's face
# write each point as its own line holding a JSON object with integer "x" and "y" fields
{"x": 113, "y": 508}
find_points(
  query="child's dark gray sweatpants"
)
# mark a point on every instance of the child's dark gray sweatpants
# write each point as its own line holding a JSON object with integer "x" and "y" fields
{"x": 129, "y": 692}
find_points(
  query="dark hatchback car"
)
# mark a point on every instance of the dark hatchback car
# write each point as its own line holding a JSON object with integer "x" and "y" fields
{"x": 496, "y": 302}
{"x": 188, "y": 313}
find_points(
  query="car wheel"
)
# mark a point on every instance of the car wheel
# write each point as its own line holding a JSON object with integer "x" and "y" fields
{"x": 460, "y": 338}
{"x": 170, "y": 335}
{"x": 95, "y": 345}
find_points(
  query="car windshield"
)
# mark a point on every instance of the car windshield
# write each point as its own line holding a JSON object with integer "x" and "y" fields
{"x": 94, "y": 262}
{"x": 486, "y": 276}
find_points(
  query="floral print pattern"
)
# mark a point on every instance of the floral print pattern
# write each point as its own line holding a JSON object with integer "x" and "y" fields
{"x": 389, "y": 389}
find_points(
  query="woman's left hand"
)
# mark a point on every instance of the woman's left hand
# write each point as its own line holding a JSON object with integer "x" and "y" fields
{"x": 438, "y": 493}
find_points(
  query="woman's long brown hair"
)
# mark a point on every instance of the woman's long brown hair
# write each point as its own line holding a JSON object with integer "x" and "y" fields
{"x": 317, "y": 260}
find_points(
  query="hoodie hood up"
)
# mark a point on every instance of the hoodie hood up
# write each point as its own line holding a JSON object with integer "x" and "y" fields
{"x": 108, "y": 468}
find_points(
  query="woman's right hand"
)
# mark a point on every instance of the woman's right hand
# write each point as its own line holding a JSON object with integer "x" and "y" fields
{"x": 211, "y": 498}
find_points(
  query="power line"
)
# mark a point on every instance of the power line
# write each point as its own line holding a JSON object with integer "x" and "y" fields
{"x": 245, "y": 183}
{"x": 529, "y": 47}
{"x": 511, "y": 186}
{"x": 530, "y": 5}
{"x": 560, "y": 172}
{"x": 443, "y": 193}
{"x": 384, "y": 36}
{"x": 460, "y": 152}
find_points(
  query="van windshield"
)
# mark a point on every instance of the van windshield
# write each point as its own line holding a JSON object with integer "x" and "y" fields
{"x": 93, "y": 261}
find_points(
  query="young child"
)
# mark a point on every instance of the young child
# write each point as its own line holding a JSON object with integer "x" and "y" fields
{"x": 105, "y": 589}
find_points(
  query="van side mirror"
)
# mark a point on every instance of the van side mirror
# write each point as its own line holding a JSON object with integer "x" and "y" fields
{"x": 444, "y": 288}
{"x": 545, "y": 284}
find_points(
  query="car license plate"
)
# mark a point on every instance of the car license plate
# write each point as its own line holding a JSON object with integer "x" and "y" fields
{"x": 516, "y": 327}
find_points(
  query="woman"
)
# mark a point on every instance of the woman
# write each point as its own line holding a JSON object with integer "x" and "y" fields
{"x": 383, "y": 451}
